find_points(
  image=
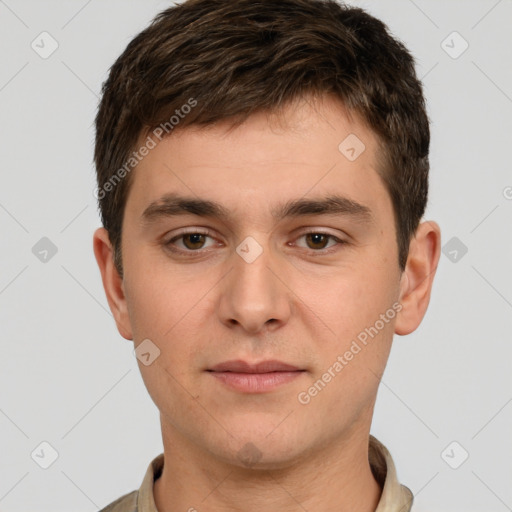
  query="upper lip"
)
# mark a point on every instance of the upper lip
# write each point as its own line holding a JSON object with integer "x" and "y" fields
{"x": 240, "y": 366}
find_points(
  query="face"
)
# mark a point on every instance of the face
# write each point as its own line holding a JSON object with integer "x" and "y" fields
{"x": 266, "y": 242}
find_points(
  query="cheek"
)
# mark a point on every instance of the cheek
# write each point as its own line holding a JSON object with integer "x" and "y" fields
{"x": 360, "y": 312}
{"x": 353, "y": 299}
{"x": 159, "y": 300}
{"x": 170, "y": 309}
{"x": 162, "y": 309}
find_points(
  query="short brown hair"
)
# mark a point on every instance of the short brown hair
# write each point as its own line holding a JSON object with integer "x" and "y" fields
{"x": 233, "y": 58}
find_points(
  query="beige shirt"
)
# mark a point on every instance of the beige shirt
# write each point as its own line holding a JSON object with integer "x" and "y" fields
{"x": 394, "y": 497}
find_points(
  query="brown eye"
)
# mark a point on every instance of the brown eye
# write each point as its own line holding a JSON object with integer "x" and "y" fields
{"x": 317, "y": 240}
{"x": 193, "y": 241}
{"x": 188, "y": 243}
{"x": 320, "y": 243}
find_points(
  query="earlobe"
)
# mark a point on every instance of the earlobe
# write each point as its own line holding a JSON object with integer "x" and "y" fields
{"x": 112, "y": 282}
{"x": 418, "y": 276}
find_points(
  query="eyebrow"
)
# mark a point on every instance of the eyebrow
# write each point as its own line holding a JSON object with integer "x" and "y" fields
{"x": 171, "y": 205}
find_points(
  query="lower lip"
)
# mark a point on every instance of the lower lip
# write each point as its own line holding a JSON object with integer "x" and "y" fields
{"x": 256, "y": 382}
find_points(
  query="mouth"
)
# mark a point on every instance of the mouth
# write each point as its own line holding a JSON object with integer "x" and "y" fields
{"x": 240, "y": 366}
{"x": 255, "y": 378}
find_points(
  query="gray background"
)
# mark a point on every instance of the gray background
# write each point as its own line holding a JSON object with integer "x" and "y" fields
{"x": 68, "y": 378}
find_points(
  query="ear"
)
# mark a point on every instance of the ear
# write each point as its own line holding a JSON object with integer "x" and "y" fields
{"x": 112, "y": 282}
{"x": 418, "y": 276}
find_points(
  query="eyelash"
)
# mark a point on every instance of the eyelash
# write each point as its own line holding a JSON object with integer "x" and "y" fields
{"x": 169, "y": 243}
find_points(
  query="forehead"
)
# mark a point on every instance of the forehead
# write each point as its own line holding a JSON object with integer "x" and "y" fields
{"x": 312, "y": 148}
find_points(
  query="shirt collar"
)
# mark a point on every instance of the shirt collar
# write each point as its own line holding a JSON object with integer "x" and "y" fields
{"x": 394, "y": 498}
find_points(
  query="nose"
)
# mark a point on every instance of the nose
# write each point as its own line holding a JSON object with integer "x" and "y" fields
{"x": 253, "y": 295}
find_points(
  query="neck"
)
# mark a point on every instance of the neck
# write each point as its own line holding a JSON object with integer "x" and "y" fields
{"x": 336, "y": 479}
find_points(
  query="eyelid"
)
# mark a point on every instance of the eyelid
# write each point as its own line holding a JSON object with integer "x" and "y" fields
{"x": 319, "y": 231}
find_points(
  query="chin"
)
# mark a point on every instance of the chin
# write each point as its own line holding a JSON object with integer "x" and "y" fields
{"x": 260, "y": 449}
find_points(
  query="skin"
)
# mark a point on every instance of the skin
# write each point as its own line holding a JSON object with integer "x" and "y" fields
{"x": 295, "y": 303}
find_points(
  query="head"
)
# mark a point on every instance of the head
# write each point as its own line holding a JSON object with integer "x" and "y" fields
{"x": 249, "y": 125}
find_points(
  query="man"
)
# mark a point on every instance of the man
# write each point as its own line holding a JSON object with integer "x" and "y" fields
{"x": 262, "y": 173}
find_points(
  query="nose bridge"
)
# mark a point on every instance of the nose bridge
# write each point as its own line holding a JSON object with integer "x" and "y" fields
{"x": 252, "y": 295}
